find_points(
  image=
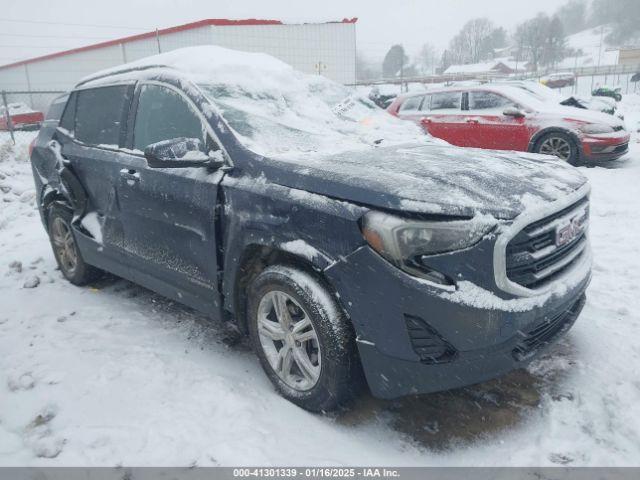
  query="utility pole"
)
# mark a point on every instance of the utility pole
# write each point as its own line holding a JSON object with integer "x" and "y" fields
{"x": 599, "y": 54}
{"x": 158, "y": 40}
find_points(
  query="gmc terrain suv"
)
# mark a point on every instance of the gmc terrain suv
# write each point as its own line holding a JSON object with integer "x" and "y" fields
{"x": 338, "y": 237}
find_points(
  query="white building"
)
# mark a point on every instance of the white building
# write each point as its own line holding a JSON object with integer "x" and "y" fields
{"x": 328, "y": 49}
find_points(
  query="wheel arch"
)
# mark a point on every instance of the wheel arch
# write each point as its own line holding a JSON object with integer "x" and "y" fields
{"x": 52, "y": 197}
{"x": 255, "y": 259}
{"x": 546, "y": 131}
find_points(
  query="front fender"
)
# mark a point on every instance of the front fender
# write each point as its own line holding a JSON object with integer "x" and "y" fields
{"x": 312, "y": 227}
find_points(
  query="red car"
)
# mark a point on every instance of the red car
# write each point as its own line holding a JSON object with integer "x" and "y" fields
{"x": 509, "y": 118}
{"x": 22, "y": 117}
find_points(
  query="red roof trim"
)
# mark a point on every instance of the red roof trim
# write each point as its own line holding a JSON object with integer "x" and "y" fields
{"x": 217, "y": 22}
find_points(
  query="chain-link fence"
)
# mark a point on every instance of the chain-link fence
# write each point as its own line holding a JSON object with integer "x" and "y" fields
{"x": 585, "y": 79}
{"x": 24, "y": 110}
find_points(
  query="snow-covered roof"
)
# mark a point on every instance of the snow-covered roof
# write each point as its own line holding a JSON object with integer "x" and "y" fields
{"x": 485, "y": 67}
{"x": 272, "y": 108}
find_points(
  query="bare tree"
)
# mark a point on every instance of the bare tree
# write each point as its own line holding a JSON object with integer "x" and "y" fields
{"x": 622, "y": 14}
{"x": 573, "y": 15}
{"x": 476, "y": 41}
{"x": 531, "y": 38}
{"x": 427, "y": 59}
{"x": 555, "y": 46}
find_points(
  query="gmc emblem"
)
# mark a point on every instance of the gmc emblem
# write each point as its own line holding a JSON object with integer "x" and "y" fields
{"x": 568, "y": 232}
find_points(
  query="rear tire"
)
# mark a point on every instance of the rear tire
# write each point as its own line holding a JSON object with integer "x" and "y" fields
{"x": 310, "y": 356}
{"x": 65, "y": 249}
{"x": 560, "y": 145}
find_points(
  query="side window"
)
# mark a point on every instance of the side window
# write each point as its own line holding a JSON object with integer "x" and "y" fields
{"x": 68, "y": 119}
{"x": 426, "y": 104}
{"x": 163, "y": 114}
{"x": 488, "y": 101}
{"x": 411, "y": 104}
{"x": 56, "y": 108}
{"x": 446, "y": 101}
{"x": 99, "y": 115}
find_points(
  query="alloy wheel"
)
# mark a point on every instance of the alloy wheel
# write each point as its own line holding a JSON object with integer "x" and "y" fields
{"x": 289, "y": 340}
{"x": 556, "y": 146}
{"x": 64, "y": 246}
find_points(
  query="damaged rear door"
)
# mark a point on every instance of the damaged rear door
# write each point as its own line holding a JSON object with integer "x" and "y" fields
{"x": 91, "y": 132}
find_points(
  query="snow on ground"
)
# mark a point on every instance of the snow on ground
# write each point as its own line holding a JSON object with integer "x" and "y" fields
{"x": 113, "y": 374}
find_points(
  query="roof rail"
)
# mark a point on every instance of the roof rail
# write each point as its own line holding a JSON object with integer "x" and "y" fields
{"x": 117, "y": 71}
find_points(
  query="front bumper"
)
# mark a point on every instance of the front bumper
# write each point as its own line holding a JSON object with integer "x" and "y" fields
{"x": 482, "y": 342}
{"x": 605, "y": 147}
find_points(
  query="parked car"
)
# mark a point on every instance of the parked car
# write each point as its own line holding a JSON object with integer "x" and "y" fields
{"x": 507, "y": 118}
{"x": 610, "y": 92}
{"x": 559, "y": 80}
{"x": 382, "y": 100}
{"x": 337, "y": 236}
{"x": 22, "y": 117}
{"x": 544, "y": 93}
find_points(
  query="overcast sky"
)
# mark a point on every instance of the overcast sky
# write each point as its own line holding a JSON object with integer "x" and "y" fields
{"x": 380, "y": 23}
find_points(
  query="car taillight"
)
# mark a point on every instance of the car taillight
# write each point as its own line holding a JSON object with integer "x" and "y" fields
{"x": 31, "y": 145}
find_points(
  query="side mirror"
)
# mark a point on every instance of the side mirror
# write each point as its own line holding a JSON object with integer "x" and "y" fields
{"x": 513, "y": 112}
{"x": 179, "y": 153}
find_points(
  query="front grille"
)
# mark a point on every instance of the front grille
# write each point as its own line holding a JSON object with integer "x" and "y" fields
{"x": 546, "y": 331}
{"x": 544, "y": 249}
{"x": 621, "y": 148}
{"x": 427, "y": 342}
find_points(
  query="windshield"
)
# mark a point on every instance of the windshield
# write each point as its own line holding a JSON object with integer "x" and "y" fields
{"x": 308, "y": 114}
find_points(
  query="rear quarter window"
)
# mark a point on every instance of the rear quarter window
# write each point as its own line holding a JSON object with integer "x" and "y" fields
{"x": 56, "y": 108}
{"x": 411, "y": 104}
{"x": 100, "y": 114}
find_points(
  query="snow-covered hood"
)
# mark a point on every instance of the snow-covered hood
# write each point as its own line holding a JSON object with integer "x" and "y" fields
{"x": 433, "y": 179}
{"x": 579, "y": 115}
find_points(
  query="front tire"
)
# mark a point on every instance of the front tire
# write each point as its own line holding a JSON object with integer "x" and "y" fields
{"x": 303, "y": 339}
{"x": 560, "y": 145}
{"x": 65, "y": 249}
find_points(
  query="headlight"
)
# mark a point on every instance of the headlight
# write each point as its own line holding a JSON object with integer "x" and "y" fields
{"x": 595, "y": 128}
{"x": 405, "y": 242}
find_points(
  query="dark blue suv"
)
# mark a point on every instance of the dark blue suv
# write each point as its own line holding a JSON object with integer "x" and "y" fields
{"x": 336, "y": 236}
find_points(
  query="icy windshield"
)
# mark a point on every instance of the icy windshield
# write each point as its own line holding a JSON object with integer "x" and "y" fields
{"x": 276, "y": 110}
{"x": 313, "y": 115}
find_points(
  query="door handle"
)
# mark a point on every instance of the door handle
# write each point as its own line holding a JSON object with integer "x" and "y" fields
{"x": 131, "y": 176}
{"x": 471, "y": 120}
{"x": 426, "y": 120}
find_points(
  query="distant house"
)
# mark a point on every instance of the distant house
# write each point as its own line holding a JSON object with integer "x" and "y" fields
{"x": 504, "y": 66}
{"x": 629, "y": 56}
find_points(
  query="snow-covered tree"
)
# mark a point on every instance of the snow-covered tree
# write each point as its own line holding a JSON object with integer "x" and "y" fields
{"x": 394, "y": 61}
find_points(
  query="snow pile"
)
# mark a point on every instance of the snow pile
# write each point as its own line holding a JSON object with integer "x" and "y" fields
{"x": 295, "y": 113}
{"x": 16, "y": 109}
{"x": 112, "y": 374}
{"x": 630, "y": 107}
{"x": 16, "y": 182}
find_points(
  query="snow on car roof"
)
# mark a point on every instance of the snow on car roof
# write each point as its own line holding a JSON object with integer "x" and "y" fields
{"x": 272, "y": 108}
